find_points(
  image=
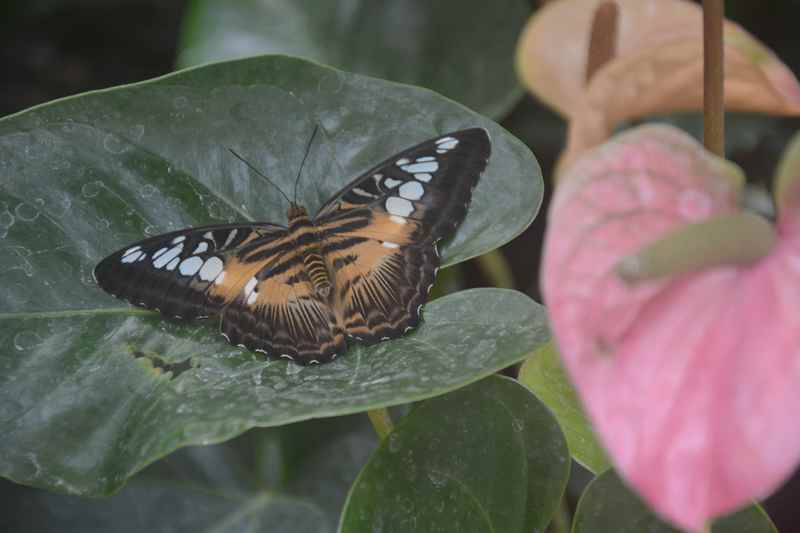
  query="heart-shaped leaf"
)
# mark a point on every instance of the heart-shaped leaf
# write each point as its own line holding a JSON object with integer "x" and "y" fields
{"x": 666, "y": 367}
{"x": 544, "y": 375}
{"x": 489, "y": 457}
{"x": 608, "y": 505}
{"x": 292, "y": 479}
{"x": 81, "y": 406}
{"x": 462, "y": 49}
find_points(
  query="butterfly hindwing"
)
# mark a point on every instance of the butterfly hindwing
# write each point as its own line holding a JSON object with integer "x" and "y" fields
{"x": 277, "y": 313}
{"x": 192, "y": 273}
{"x": 381, "y": 231}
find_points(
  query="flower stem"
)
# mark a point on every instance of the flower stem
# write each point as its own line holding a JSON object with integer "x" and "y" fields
{"x": 713, "y": 76}
{"x": 381, "y": 421}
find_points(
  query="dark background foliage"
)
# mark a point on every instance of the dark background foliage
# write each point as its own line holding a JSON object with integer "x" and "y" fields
{"x": 54, "y": 48}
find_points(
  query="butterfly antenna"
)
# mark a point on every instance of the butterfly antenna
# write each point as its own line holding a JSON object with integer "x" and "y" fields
{"x": 254, "y": 169}
{"x": 308, "y": 149}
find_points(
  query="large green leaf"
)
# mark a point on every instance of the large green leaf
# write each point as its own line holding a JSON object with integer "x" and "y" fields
{"x": 489, "y": 457}
{"x": 463, "y": 49}
{"x": 81, "y": 407}
{"x": 292, "y": 479}
{"x": 545, "y": 376}
{"x": 608, "y": 505}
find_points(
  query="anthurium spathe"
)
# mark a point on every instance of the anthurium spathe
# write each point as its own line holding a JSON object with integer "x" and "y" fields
{"x": 691, "y": 375}
{"x": 655, "y": 67}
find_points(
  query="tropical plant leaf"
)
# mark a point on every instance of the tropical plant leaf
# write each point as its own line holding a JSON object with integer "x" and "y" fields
{"x": 608, "y": 505}
{"x": 463, "y": 49}
{"x": 84, "y": 399}
{"x": 489, "y": 457}
{"x": 289, "y": 479}
{"x": 544, "y": 375}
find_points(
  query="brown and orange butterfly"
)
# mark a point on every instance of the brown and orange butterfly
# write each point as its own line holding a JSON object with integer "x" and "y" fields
{"x": 360, "y": 269}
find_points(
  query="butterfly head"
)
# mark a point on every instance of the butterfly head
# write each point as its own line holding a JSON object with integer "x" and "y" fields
{"x": 296, "y": 212}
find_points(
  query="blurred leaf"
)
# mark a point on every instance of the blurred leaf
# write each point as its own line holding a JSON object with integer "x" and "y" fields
{"x": 488, "y": 457}
{"x": 544, "y": 375}
{"x": 89, "y": 387}
{"x": 462, "y": 49}
{"x": 290, "y": 479}
{"x": 608, "y": 505}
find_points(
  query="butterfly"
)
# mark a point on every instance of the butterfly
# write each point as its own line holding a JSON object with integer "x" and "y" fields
{"x": 359, "y": 270}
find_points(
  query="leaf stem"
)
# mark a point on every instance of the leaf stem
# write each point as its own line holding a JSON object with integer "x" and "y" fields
{"x": 381, "y": 421}
{"x": 561, "y": 519}
{"x": 713, "y": 76}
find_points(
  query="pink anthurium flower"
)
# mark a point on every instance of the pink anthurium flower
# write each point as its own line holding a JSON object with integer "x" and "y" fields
{"x": 678, "y": 318}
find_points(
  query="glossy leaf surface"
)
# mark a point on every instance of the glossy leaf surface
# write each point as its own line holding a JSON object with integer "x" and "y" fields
{"x": 81, "y": 405}
{"x": 544, "y": 375}
{"x": 488, "y": 457}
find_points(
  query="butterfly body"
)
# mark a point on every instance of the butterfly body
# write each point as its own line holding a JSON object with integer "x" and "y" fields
{"x": 360, "y": 269}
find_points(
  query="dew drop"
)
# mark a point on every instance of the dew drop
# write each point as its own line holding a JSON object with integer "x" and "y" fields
{"x": 114, "y": 144}
{"x": 91, "y": 189}
{"x": 147, "y": 191}
{"x": 24, "y": 340}
{"x": 26, "y": 212}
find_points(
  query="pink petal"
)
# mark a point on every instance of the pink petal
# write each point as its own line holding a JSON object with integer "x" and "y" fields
{"x": 692, "y": 382}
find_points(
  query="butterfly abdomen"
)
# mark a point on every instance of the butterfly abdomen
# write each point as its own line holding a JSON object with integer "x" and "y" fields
{"x": 306, "y": 238}
{"x": 315, "y": 268}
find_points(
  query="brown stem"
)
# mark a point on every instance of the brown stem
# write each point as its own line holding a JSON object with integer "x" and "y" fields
{"x": 603, "y": 38}
{"x": 713, "y": 75}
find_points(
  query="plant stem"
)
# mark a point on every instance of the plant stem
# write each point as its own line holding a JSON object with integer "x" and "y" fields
{"x": 561, "y": 519}
{"x": 381, "y": 421}
{"x": 713, "y": 76}
{"x": 603, "y": 38}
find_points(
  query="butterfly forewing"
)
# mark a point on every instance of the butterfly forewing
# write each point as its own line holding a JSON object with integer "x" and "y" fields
{"x": 192, "y": 273}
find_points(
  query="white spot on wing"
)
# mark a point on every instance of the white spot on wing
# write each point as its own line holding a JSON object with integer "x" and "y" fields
{"x": 179, "y": 238}
{"x": 402, "y": 161}
{"x": 131, "y": 250}
{"x": 220, "y": 278}
{"x": 399, "y": 206}
{"x": 251, "y": 284}
{"x": 411, "y": 190}
{"x": 167, "y": 256}
{"x": 252, "y": 298}
{"x": 201, "y": 247}
{"x": 397, "y": 220}
{"x": 132, "y": 257}
{"x": 446, "y": 140}
{"x": 426, "y": 158}
{"x": 231, "y": 236}
{"x": 391, "y": 183}
{"x": 190, "y": 266}
{"x": 208, "y": 235}
{"x": 389, "y": 244}
{"x": 211, "y": 268}
{"x": 430, "y": 166}
{"x": 159, "y": 252}
{"x": 362, "y": 192}
{"x": 423, "y": 177}
{"x": 172, "y": 264}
